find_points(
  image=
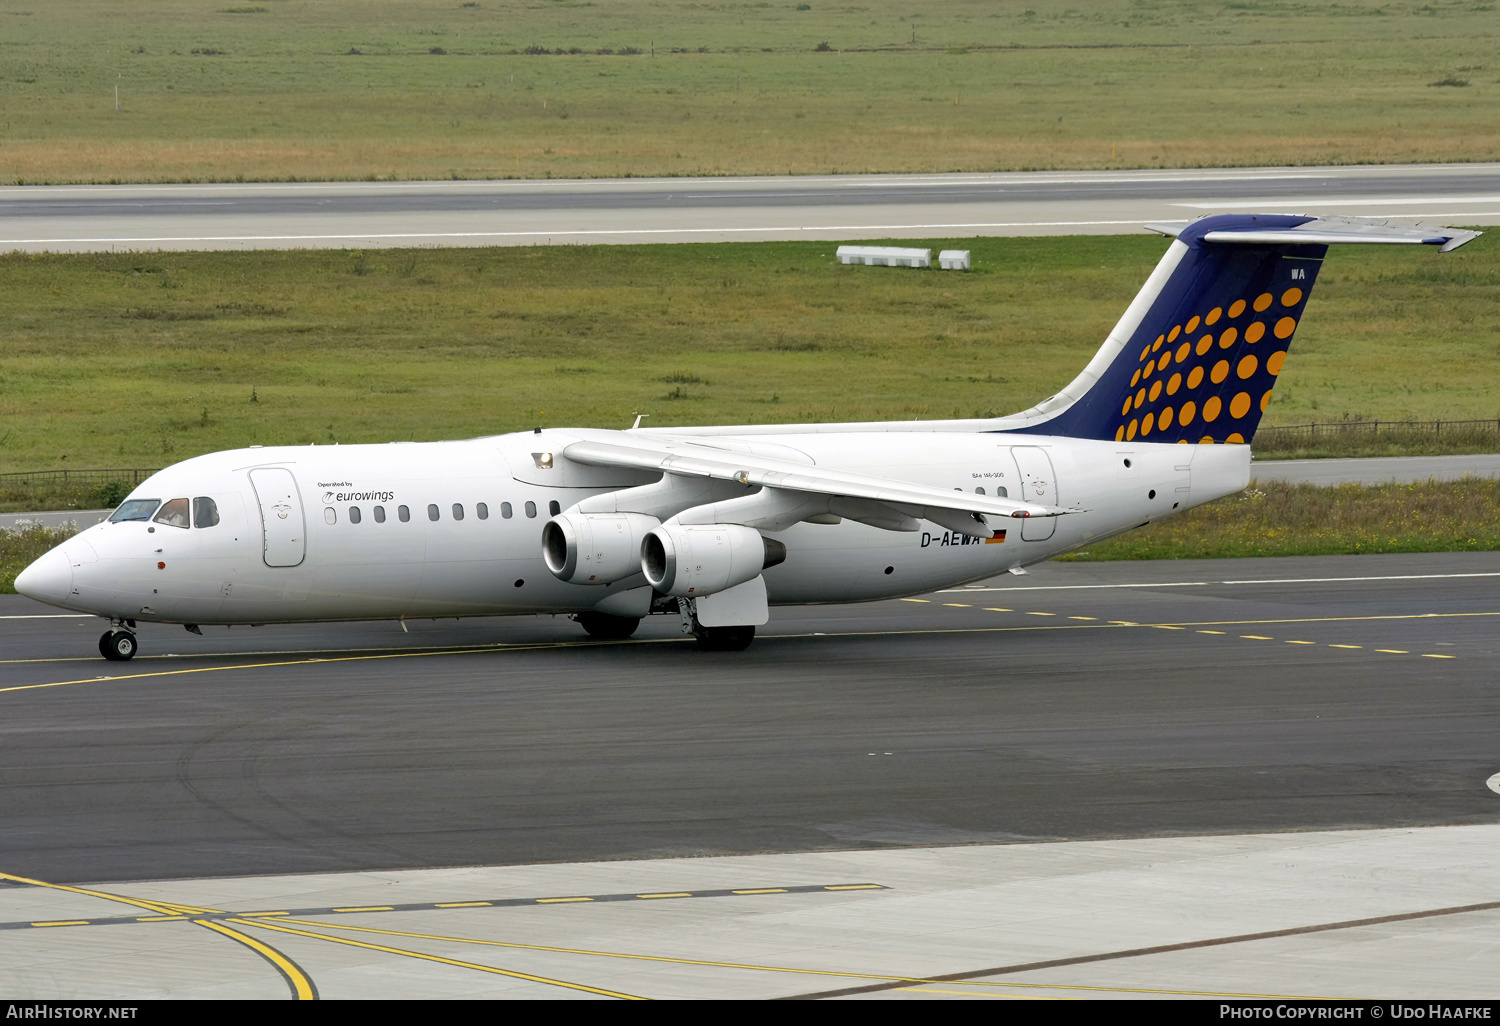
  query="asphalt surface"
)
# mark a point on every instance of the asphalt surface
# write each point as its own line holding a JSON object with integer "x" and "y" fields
{"x": 362, "y": 214}
{"x": 1378, "y": 469}
{"x": 1199, "y": 698}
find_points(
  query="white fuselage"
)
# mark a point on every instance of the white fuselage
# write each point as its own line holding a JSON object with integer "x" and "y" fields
{"x": 470, "y": 540}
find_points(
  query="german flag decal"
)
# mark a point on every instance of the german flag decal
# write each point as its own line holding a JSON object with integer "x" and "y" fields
{"x": 998, "y": 538}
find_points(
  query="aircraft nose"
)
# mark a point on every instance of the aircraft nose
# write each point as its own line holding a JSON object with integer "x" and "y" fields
{"x": 49, "y": 579}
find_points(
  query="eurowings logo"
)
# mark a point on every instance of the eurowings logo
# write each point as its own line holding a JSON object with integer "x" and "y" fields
{"x": 332, "y": 497}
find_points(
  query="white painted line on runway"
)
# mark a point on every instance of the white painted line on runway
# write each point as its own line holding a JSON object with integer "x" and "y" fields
{"x": 1393, "y": 577}
{"x": 52, "y": 616}
{"x": 548, "y": 233}
{"x": 1205, "y": 584}
{"x": 1335, "y": 201}
{"x": 1446, "y": 215}
{"x": 1080, "y": 587}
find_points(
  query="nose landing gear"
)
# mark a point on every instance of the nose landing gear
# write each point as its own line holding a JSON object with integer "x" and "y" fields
{"x": 118, "y": 643}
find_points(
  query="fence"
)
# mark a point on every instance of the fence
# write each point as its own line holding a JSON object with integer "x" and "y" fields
{"x": 73, "y": 478}
{"x": 1305, "y": 433}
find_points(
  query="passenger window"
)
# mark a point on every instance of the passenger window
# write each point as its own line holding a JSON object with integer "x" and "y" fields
{"x": 403, "y": 513}
{"x": 458, "y": 511}
{"x": 505, "y": 510}
{"x": 483, "y": 510}
{"x": 380, "y": 514}
{"x": 330, "y": 515}
{"x": 354, "y": 514}
{"x": 205, "y": 512}
{"x": 432, "y": 511}
{"x": 1002, "y": 491}
{"x": 530, "y": 508}
{"x": 554, "y": 508}
{"x": 173, "y": 513}
{"x": 979, "y": 490}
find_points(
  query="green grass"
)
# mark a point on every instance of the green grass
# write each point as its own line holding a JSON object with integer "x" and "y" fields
{"x": 1356, "y": 439}
{"x": 19, "y": 547}
{"x": 131, "y": 360}
{"x": 439, "y": 88}
{"x": 1275, "y": 518}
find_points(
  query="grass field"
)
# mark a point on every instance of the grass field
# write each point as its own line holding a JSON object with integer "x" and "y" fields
{"x": 354, "y": 89}
{"x": 1279, "y": 519}
{"x": 121, "y": 360}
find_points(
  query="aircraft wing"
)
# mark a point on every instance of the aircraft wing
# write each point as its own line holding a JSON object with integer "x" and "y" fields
{"x": 963, "y": 511}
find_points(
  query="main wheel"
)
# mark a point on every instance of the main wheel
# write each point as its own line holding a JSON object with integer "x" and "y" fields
{"x": 117, "y": 646}
{"x": 607, "y": 626}
{"x": 725, "y": 639}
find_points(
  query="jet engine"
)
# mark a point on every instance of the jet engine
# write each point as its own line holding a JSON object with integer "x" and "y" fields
{"x": 691, "y": 560}
{"x": 595, "y": 548}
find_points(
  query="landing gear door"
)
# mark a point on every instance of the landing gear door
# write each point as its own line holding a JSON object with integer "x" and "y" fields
{"x": 282, "y": 522}
{"x": 1037, "y": 485}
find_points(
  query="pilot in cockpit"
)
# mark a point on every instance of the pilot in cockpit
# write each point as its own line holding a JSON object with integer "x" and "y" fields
{"x": 173, "y": 513}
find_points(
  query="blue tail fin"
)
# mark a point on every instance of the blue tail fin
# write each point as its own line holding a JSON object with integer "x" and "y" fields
{"x": 1196, "y": 356}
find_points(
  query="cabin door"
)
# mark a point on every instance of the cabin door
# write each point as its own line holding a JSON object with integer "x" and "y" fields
{"x": 282, "y": 523}
{"x": 1037, "y": 485}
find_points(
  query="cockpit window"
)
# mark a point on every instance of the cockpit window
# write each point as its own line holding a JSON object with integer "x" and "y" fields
{"x": 173, "y": 513}
{"x": 205, "y": 512}
{"x": 135, "y": 509}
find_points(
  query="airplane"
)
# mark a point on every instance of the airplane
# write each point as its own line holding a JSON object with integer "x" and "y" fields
{"x": 717, "y": 524}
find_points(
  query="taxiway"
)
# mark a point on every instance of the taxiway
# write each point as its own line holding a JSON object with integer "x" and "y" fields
{"x": 1092, "y": 759}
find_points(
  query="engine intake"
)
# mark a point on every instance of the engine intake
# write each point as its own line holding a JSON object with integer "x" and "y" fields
{"x": 694, "y": 560}
{"x": 595, "y": 548}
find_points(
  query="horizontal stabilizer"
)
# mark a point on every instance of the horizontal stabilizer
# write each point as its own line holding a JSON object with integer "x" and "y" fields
{"x": 1331, "y": 231}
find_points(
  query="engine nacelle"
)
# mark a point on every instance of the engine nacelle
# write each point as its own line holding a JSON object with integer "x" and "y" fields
{"x": 595, "y": 548}
{"x": 694, "y": 560}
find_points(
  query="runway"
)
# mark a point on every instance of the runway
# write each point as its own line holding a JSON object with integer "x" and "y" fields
{"x": 957, "y": 742}
{"x": 355, "y": 215}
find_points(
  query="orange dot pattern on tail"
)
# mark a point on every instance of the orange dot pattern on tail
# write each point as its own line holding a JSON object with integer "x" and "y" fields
{"x": 1220, "y": 380}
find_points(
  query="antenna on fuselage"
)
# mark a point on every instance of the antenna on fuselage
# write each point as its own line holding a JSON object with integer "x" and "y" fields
{"x": 638, "y": 418}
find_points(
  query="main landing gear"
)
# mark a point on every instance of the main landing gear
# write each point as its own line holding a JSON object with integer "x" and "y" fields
{"x": 724, "y": 639}
{"x": 118, "y": 643}
{"x": 607, "y": 626}
{"x": 718, "y": 638}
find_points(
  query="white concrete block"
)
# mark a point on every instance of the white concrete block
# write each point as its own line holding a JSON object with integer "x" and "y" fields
{"x": 885, "y": 256}
{"x": 954, "y": 260}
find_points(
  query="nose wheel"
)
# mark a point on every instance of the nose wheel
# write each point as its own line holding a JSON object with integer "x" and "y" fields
{"x": 117, "y": 646}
